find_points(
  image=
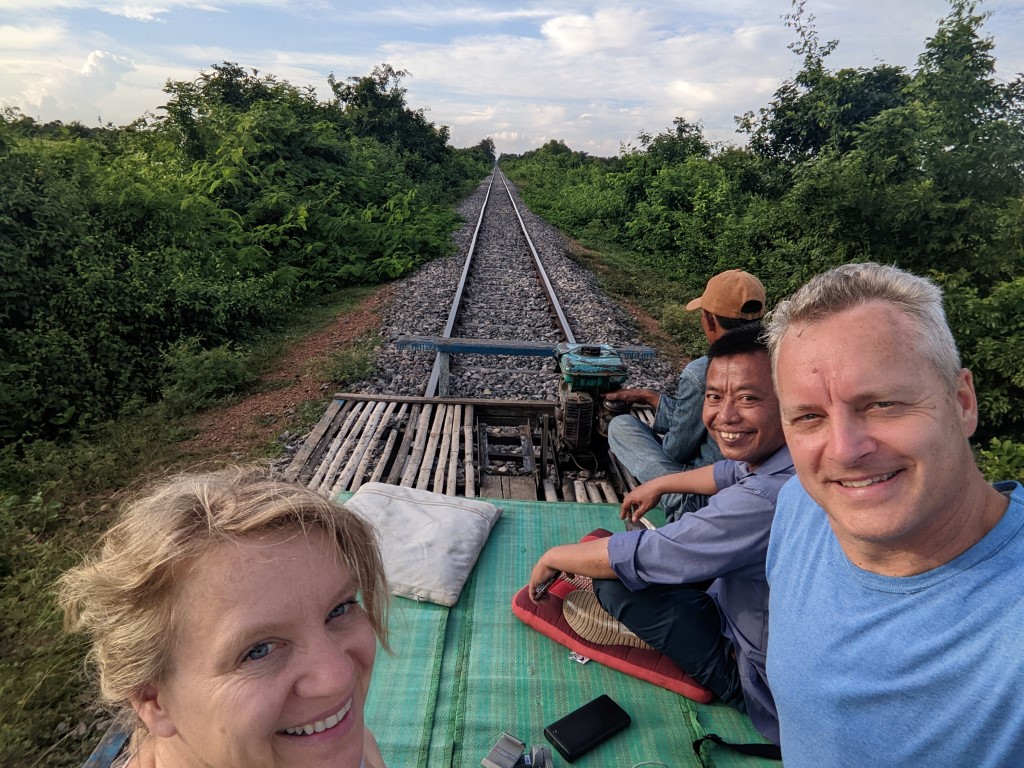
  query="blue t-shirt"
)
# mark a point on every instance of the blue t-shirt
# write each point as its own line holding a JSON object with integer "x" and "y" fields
{"x": 726, "y": 541}
{"x": 872, "y": 670}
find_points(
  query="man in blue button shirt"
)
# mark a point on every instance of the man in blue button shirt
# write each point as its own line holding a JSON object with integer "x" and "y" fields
{"x": 678, "y": 441}
{"x": 695, "y": 589}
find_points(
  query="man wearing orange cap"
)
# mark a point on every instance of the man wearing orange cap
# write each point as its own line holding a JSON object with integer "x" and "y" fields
{"x": 678, "y": 440}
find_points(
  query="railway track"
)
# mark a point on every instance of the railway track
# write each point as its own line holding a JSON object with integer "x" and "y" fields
{"x": 504, "y": 295}
{"x": 495, "y": 417}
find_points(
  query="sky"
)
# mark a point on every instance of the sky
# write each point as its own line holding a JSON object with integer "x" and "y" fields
{"x": 593, "y": 74}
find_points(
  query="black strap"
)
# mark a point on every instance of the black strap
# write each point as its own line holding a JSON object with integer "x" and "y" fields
{"x": 767, "y": 751}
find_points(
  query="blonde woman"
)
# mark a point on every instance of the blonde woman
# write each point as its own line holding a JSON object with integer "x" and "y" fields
{"x": 234, "y": 621}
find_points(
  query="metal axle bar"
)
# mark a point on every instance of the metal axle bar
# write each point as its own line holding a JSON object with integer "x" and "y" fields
{"x": 504, "y": 347}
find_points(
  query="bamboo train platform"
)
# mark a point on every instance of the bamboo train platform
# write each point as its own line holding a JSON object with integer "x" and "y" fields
{"x": 497, "y": 449}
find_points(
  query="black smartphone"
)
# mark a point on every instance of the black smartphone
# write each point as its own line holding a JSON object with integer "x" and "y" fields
{"x": 583, "y": 729}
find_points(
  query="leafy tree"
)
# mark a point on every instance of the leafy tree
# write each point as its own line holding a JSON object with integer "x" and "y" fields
{"x": 678, "y": 145}
{"x": 374, "y": 105}
{"x": 819, "y": 110}
{"x": 486, "y": 149}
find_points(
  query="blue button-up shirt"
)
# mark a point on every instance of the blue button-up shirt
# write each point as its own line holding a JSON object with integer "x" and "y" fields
{"x": 726, "y": 541}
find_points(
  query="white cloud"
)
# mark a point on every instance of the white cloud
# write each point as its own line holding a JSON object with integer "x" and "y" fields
{"x": 30, "y": 38}
{"x": 435, "y": 15}
{"x": 146, "y": 10}
{"x": 138, "y": 12}
{"x": 77, "y": 94}
{"x": 605, "y": 31}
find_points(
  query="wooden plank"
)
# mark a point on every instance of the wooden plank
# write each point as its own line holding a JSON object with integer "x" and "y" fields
{"x": 477, "y": 346}
{"x": 470, "y": 456}
{"x": 368, "y": 453}
{"x": 419, "y": 445}
{"x": 579, "y": 488}
{"x": 368, "y": 431}
{"x": 608, "y": 491}
{"x": 626, "y": 478}
{"x": 491, "y": 487}
{"x": 517, "y": 406}
{"x": 552, "y": 440}
{"x": 545, "y": 423}
{"x": 402, "y": 456}
{"x": 394, "y": 430}
{"x": 516, "y": 347}
{"x": 550, "y": 491}
{"x": 329, "y": 466}
{"x": 444, "y": 450}
{"x": 430, "y": 449}
{"x": 453, "y": 453}
{"x": 521, "y": 487}
{"x": 319, "y": 458}
{"x": 616, "y": 473}
{"x": 313, "y": 439}
{"x": 337, "y": 441}
{"x": 345, "y": 455}
{"x": 483, "y": 451}
{"x": 568, "y": 490}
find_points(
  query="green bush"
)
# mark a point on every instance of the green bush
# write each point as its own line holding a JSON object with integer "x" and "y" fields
{"x": 684, "y": 328}
{"x": 1002, "y": 460}
{"x": 247, "y": 199}
{"x": 199, "y": 378}
{"x": 354, "y": 363}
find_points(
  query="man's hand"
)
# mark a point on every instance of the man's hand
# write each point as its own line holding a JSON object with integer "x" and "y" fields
{"x": 588, "y": 558}
{"x": 643, "y": 498}
{"x": 645, "y": 396}
{"x": 540, "y": 575}
{"x": 640, "y": 501}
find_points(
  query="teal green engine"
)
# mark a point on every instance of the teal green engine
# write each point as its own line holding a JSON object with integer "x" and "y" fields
{"x": 585, "y": 370}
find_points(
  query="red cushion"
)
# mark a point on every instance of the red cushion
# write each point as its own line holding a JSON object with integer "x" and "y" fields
{"x": 645, "y": 664}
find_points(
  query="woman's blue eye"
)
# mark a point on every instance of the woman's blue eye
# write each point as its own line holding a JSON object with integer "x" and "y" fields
{"x": 258, "y": 651}
{"x": 341, "y": 609}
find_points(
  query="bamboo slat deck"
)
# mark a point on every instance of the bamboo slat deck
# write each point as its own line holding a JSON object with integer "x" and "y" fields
{"x": 494, "y": 449}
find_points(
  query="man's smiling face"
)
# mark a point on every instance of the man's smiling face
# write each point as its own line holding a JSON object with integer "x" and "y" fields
{"x": 741, "y": 411}
{"x": 878, "y": 438}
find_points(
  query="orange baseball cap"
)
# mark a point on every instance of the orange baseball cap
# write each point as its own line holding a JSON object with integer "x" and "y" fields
{"x": 735, "y": 293}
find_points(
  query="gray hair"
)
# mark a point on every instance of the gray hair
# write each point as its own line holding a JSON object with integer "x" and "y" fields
{"x": 853, "y": 285}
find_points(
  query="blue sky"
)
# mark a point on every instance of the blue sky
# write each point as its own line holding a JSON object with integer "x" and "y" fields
{"x": 593, "y": 74}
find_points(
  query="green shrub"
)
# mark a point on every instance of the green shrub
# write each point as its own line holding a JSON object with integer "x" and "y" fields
{"x": 198, "y": 378}
{"x": 1002, "y": 460}
{"x": 353, "y": 363}
{"x": 684, "y": 328}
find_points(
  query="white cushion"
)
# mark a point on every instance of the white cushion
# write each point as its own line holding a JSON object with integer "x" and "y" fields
{"x": 430, "y": 542}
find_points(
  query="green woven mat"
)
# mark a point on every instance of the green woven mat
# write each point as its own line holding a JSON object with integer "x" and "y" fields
{"x": 460, "y": 676}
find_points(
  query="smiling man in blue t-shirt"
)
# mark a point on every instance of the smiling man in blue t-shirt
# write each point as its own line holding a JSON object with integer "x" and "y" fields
{"x": 895, "y": 569}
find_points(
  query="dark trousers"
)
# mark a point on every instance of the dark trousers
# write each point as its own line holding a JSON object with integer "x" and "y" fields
{"x": 682, "y": 622}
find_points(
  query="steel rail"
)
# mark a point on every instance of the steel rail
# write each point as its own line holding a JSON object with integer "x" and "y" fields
{"x": 441, "y": 358}
{"x": 549, "y": 291}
